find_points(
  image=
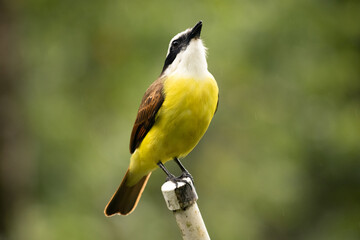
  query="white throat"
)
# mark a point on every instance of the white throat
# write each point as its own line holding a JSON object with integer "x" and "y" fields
{"x": 190, "y": 63}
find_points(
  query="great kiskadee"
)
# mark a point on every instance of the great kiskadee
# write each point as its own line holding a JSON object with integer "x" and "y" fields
{"x": 174, "y": 114}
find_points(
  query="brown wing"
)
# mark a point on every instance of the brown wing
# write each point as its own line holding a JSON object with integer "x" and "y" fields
{"x": 145, "y": 119}
{"x": 217, "y": 104}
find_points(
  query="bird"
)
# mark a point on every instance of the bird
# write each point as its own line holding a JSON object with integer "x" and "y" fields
{"x": 174, "y": 114}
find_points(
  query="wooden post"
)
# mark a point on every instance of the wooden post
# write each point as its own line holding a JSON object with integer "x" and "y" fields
{"x": 181, "y": 199}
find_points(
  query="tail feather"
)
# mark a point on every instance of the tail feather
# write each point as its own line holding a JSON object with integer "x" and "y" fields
{"x": 126, "y": 198}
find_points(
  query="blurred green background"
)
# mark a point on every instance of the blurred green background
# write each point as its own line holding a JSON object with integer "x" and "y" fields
{"x": 281, "y": 159}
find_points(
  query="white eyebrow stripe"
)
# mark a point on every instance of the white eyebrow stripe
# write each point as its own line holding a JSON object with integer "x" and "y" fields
{"x": 176, "y": 37}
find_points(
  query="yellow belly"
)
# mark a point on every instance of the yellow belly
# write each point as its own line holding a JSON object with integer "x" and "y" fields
{"x": 182, "y": 120}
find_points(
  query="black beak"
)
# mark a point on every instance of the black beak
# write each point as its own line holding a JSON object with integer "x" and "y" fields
{"x": 195, "y": 31}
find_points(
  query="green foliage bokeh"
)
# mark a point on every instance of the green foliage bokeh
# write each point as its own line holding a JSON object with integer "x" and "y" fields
{"x": 281, "y": 159}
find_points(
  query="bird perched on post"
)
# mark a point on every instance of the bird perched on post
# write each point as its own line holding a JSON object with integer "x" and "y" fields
{"x": 174, "y": 114}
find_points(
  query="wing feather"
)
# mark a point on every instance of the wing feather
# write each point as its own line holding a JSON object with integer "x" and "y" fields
{"x": 145, "y": 119}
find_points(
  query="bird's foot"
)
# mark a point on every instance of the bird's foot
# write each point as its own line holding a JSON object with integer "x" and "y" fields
{"x": 170, "y": 177}
{"x": 181, "y": 178}
{"x": 186, "y": 174}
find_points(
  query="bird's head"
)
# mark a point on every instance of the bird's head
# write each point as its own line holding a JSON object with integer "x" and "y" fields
{"x": 186, "y": 55}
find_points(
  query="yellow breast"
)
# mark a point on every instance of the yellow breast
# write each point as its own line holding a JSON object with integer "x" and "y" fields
{"x": 181, "y": 121}
{"x": 187, "y": 111}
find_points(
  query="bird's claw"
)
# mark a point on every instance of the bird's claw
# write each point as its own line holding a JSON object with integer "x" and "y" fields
{"x": 187, "y": 175}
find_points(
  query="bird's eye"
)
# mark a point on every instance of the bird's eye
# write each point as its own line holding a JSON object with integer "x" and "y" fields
{"x": 175, "y": 43}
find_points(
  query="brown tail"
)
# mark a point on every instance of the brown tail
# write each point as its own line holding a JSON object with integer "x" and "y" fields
{"x": 126, "y": 198}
